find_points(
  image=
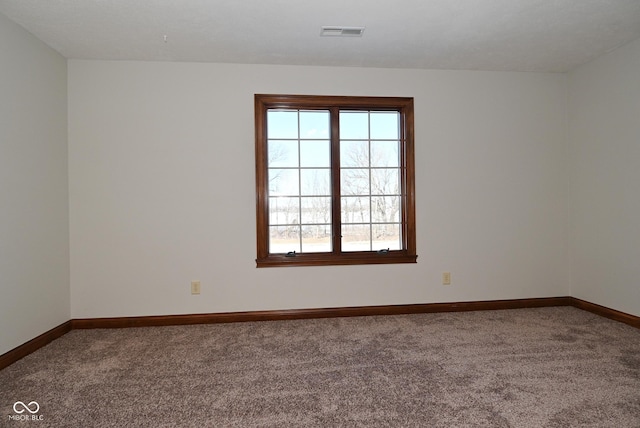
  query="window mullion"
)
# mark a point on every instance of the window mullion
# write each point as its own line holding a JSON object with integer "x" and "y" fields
{"x": 370, "y": 181}
{"x": 299, "y": 189}
{"x": 336, "y": 221}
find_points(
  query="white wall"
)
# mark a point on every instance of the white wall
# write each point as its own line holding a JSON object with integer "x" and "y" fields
{"x": 34, "y": 232}
{"x": 161, "y": 164}
{"x": 604, "y": 169}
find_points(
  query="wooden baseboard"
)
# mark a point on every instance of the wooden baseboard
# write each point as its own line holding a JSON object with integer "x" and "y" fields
{"x": 603, "y": 311}
{"x": 227, "y": 317}
{"x": 290, "y": 314}
{"x": 34, "y": 344}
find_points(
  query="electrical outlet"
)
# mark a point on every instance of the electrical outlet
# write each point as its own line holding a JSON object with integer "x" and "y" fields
{"x": 195, "y": 287}
{"x": 446, "y": 278}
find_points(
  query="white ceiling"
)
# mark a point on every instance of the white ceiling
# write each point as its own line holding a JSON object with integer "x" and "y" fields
{"x": 514, "y": 35}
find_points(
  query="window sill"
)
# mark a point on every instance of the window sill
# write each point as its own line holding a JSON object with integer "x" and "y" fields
{"x": 320, "y": 259}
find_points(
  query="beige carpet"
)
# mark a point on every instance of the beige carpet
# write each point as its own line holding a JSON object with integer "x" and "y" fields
{"x": 548, "y": 367}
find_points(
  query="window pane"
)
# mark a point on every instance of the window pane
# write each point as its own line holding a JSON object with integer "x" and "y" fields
{"x": 282, "y": 124}
{"x": 385, "y": 209}
{"x": 386, "y": 236}
{"x": 356, "y": 237}
{"x": 283, "y": 239}
{"x": 385, "y": 181}
{"x": 284, "y": 211}
{"x": 316, "y": 182}
{"x": 283, "y": 182}
{"x": 315, "y": 153}
{"x": 385, "y": 153}
{"x": 354, "y": 182}
{"x": 385, "y": 125}
{"x": 356, "y": 209}
{"x": 314, "y": 124}
{"x": 354, "y": 154}
{"x": 316, "y": 210}
{"x": 316, "y": 239}
{"x": 354, "y": 125}
{"x": 282, "y": 153}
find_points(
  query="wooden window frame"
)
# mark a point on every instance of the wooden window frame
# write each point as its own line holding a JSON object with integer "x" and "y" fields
{"x": 334, "y": 104}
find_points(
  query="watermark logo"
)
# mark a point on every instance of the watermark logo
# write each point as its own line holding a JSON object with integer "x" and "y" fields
{"x": 20, "y": 407}
{"x": 26, "y": 412}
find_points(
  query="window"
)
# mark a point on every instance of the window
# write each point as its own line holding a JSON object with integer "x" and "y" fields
{"x": 334, "y": 180}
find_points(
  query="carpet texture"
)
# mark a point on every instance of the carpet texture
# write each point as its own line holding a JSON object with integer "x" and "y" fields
{"x": 547, "y": 367}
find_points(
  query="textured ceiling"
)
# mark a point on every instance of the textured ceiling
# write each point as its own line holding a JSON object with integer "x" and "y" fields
{"x": 514, "y": 35}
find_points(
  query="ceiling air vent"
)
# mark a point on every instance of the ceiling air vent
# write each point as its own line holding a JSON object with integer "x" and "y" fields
{"x": 342, "y": 31}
